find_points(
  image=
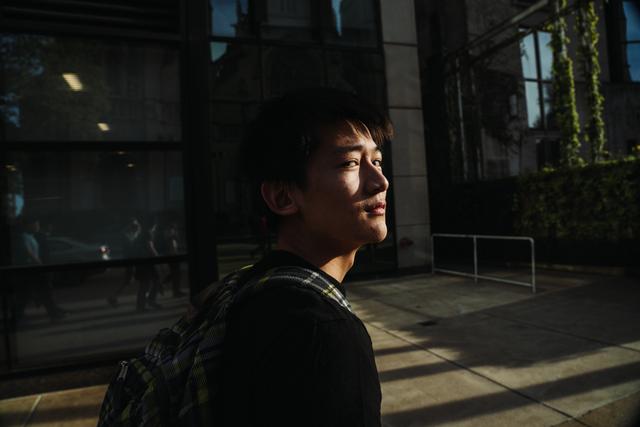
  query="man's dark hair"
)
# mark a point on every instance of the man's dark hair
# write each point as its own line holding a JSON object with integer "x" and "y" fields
{"x": 288, "y": 129}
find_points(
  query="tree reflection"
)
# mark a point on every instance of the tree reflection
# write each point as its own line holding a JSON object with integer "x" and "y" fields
{"x": 36, "y": 102}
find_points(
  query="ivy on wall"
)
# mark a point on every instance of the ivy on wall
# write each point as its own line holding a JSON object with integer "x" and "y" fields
{"x": 587, "y": 31}
{"x": 595, "y": 202}
{"x": 564, "y": 94}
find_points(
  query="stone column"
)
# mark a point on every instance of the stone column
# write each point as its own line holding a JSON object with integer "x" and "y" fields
{"x": 412, "y": 228}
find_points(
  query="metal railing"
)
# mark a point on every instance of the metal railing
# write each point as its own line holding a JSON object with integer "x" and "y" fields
{"x": 475, "y": 274}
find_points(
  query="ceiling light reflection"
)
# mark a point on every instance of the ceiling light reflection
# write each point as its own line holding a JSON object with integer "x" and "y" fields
{"x": 104, "y": 127}
{"x": 73, "y": 81}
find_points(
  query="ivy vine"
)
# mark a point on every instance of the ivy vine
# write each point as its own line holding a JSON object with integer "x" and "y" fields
{"x": 587, "y": 31}
{"x": 564, "y": 93}
{"x": 595, "y": 202}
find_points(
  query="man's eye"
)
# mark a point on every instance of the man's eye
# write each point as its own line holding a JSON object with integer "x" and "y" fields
{"x": 377, "y": 162}
{"x": 350, "y": 163}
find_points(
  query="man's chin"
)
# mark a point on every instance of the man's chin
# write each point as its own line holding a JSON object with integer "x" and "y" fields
{"x": 379, "y": 235}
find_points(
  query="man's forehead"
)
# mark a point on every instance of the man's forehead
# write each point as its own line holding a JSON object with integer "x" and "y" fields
{"x": 346, "y": 137}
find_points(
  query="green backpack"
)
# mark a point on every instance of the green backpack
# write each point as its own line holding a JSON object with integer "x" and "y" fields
{"x": 176, "y": 381}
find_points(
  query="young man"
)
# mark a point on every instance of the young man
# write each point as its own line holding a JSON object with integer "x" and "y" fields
{"x": 292, "y": 355}
{"x": 277, "y": 343}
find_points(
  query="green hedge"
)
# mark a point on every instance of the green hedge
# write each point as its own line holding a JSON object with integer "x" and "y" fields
{"x": 594, "y": 202}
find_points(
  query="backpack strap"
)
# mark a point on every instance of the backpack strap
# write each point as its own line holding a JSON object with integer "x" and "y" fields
{"x": 233, "y": 279}
{"x": 298, "y": 276}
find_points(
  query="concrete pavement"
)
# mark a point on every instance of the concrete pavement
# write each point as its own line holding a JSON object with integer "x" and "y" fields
{"x": 454, "y": 353}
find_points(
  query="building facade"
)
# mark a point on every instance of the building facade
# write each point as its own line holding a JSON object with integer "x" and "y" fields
{"x": 493, "y": 75}
{"x": 119, "y": 129}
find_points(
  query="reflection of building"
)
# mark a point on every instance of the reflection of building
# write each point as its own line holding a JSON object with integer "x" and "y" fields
{"x": 113, "y": 116}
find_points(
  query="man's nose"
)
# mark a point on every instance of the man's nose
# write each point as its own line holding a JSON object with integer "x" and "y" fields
{"x": 376, "y": 181}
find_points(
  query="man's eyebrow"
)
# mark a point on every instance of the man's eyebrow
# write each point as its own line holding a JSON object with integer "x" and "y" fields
{"x": 350, "y": 148}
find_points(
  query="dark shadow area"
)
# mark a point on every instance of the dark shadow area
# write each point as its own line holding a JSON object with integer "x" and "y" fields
{"x": 550, "y": 326}
{"x": 125, "y": 321}
{"x": 395, "y": 350}
{"x": 69, "y": 413}
{"x": 135, "y": 345}
{"x": 416, "y": 371}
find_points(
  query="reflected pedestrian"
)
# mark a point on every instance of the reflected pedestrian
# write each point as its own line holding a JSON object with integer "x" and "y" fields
{"x": 168, "y": 245}
{"x": 146, "y": 274}
{"x": 130, "y": 234}
{"x": 33, "y": 250}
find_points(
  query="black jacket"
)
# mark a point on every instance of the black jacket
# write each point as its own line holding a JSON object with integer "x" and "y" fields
{"x": 295, "y": 357}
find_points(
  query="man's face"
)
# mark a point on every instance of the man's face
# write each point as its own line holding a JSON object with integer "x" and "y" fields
{"x": 343, "y": 204}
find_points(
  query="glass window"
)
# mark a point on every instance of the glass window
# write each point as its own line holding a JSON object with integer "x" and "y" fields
{"x": 91, "y": 206}
{"x": 56, "y": 88}
{"x": 235, "y": 71}
{"x": 360, "y": 73}
{"x": 238, "y": 234}
{"x": 230, "y": 18}
{"x": 546, "y": 55}
{"x": 287, "y": 19}
{"x": 547, "y": 105}
{"x": 632, "y": 39}
{"x": 633, "y": 61}
{"x": 289, "y": 68}
{"x": 230, "y": 120}
{"x": 352, "y": 22}
{"x": 72, "y": 314}
{"x": 537, "y": 64}
{"x": 528, "y": 56}
{"x": 533, "y": 104}
{"x": 632, "y": 17}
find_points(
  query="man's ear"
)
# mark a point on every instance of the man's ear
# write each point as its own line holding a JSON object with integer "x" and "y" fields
{"x": 279, "y": 197}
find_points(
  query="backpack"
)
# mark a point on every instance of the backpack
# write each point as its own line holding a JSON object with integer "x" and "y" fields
{"x": 176, "y": 380}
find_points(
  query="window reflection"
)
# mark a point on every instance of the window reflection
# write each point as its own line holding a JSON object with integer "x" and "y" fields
{"x": 359, "y": 73}
{"x": 70, "y": 314}
{"x": 352, "y": 22}
{"x": 632, "y": 41}
{"x": 235, "y": 71}
{"x": 546, "y": 55}
{"x": 528, "y": 56}
{"x": 533, "y": 104}
{"x": 632, "y": 17}
{"x": 286, "y": 19}
{"x": 547, "y": 104}
{"x": 633, "y": 61}
{"x": 537, "y": 65}
{"x": 287, "y": 68}
{"x": 77, "y": 207}
{"x": 238, "y": 231}
{"x": 73, "y": 89}
{"x": 230, "y": 18}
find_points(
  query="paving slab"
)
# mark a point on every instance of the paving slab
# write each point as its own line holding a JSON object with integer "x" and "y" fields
{"x": 69, "y": 408}
{"x": 421, "y": 389}
{"x": 17, "y": 411}
{"x": 608, "y": 311}
{"x": 570, "y": 350}
{"x": 568, "y": 373}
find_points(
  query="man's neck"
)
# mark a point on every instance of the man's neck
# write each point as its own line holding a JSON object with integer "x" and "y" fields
{"x": 335, "y": 262}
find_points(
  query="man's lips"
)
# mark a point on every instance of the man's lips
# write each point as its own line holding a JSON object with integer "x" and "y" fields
{"x": 376, "y": 208}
